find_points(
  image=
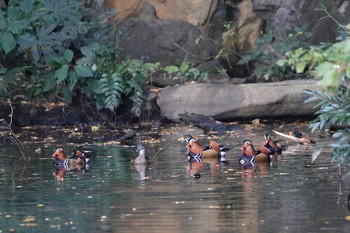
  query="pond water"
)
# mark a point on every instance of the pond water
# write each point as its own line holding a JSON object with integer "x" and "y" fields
{"x": 290, "y": 195}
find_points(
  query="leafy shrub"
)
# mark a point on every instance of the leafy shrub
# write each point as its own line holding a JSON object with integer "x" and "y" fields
{"x": 48, "y": 49}
{"x": 187, "y": 70}
{"x": 266, "y": 54}
{"x": 39, "y": 40}
{"x": 330, "y": 63}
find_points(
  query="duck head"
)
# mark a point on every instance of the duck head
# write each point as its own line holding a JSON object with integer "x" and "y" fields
{"x": 141, "y": 149}
{"x": 59, "y": 154}
{"x": 267, "y": 137}
{"x": 194, "y": 146}
{"x": 248, "y": 148}
{"x": 187, "y": 138}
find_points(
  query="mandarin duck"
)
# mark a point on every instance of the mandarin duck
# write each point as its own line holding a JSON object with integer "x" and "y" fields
{"x": 296, "y": 137}
{"x": 61, "y": 159}
{"x": 223, "y": 152}
{"x": 186, "y": 138}
{"x": 212, "y": 145}
{"x": 269, "y": 146}
{"x": 248, "y": 151}
{"x": 85, "y": 155}
{"x": 247, "y": 157}
{"x": 304, "y": 140}
{"x": 196, "y": 151}
{"x": 141, "y": 159}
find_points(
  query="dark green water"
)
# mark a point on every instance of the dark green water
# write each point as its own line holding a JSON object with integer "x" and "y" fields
{"x": 111, "y": 196}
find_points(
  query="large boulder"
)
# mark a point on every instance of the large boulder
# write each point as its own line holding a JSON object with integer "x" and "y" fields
{"x": 174, "y": 31}
{"x": 167, "y": 41}
{"x": 294, "y": 13}
{"x": 227, "y": 102}
{"x": 196, "y": 12}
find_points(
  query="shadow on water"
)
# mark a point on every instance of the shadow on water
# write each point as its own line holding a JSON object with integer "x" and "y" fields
{"x": 171, "y": 195}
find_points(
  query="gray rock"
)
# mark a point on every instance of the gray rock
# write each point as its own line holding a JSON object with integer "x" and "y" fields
{"x": 167, "y": 41}
{"x": 228, "y": 102}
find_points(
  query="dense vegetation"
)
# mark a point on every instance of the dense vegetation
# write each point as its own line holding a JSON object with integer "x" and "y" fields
{"x": 53, "y": 49}
{"x": 330, "y": 63}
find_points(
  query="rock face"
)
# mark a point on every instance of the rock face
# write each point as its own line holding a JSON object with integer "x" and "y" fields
{"x": 174, "y": 31}
{"x": 227, "y": 102}
{"x": 167, "y": 41}
{"x": 196, "y": 12}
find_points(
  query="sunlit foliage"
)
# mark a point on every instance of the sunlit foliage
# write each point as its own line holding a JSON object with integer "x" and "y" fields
{"x": 330, "y": 64}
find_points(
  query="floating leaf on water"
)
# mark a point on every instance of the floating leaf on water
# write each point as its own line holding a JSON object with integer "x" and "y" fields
{"x": 179, "y": 202}
{"x": 29, "y": 219}
{"x": 284, "y": 174}
{"x": 95, "y": 128}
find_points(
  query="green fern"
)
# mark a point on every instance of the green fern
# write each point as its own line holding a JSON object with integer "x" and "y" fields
{"x": 112, "y": 88}
{"x": 137, "y": 100}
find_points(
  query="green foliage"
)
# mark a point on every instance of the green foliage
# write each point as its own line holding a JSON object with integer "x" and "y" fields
{"x": 187, "y": 70}
{"x": 330, "y": 63}
{"x": 265, "y": 56}
{"x": 48, "y": 49}
{"x": 40, "y": 39}
{"x": 334, "y": 110}
{"x": 115, "y": 81}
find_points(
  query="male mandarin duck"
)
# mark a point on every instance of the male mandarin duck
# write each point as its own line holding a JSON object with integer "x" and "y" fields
{"x": 141, "y": 159}
{"x": 248, "y": 151}
{"x": 61, "y": 159}
{"x": 192, "y": 151}
{"x": 186, "y": 138}
{"x": 83, "y": 155}
{"x": 223, "y": 152}
{"x": 269, "y": 146}
{"x": 247, "y": 157}
{"x": 195, "y": 150}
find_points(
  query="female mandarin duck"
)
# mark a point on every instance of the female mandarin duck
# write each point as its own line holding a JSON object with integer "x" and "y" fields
{"x": 141, "y": 162}
{"x": 141, "y": 159}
